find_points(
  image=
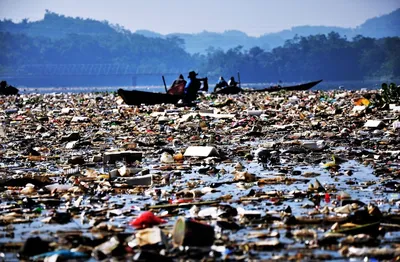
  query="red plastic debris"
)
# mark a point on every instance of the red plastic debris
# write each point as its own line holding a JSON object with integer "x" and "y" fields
{"x": 146, "y": 219}
{"x": 181, "y": 200}
{"x": 327, "y": 198}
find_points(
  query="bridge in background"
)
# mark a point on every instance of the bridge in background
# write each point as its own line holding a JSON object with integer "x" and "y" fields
{"x": 37, "y": 70}
{"x": 86, "y": 75}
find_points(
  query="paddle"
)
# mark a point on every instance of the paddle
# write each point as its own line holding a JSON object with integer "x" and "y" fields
{"x": 239, "y": 79}
{"x": 165, "y": 85}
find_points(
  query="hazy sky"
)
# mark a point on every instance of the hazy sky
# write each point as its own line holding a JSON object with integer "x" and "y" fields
{"x": 254, "y": 17}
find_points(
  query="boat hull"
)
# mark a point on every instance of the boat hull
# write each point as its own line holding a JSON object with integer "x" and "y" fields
{"x": 136, "y": 97}
{"x": 9, "y": 90}
{"x": 300, "y": 87}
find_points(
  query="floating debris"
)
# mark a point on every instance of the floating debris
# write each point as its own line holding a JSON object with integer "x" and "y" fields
{"x": 307, "y": 175}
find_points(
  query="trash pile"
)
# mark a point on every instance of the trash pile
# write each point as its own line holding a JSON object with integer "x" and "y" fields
{"x": 266, "y": 176}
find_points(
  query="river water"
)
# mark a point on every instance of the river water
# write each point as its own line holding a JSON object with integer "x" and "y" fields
{"x": 357, "y": 175}
{"x": 324, "y": 85}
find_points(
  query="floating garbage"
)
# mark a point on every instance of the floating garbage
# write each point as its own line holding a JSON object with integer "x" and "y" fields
{"x": 61, "y": 255}
{"x": 145, "y": 180}
{"x": 146, "y": 219}
{"x": 373, "y": 123}
{"x": 149, "y": 236}
{"x": 189, "y": 232}
{"x": 201, "y": 151}
{"x": 305, "y": 176}
{"x": 128, "y": 156}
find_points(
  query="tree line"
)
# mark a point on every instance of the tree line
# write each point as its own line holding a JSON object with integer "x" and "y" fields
{"x": 328, "y": 57}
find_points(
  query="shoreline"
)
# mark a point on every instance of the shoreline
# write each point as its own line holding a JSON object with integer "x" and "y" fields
{"x": 324, "y": 86}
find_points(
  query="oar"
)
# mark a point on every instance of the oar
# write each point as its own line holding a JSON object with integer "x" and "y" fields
{"x": 165, "y": 85}
{"x": 239, "y": 79}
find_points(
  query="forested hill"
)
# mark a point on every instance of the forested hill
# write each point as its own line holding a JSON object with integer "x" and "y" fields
{"x": 57, "y": 26}
{"x": 64, "y": 40}
{"x": 378, "y": 27}
{"x": 38, "y": 48}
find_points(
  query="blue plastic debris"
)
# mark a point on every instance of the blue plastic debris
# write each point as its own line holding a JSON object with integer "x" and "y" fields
{"x": 66, "y": 254}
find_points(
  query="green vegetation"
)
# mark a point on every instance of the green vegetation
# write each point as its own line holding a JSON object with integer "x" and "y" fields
{"x": 303, "y": 58}
{"x": 390, "y": 93}
{"x": 62, "y": 40}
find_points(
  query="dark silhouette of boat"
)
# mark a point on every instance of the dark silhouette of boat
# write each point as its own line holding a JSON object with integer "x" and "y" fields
{"x": 7, "y": 89}
{"x": 137, "y": 97}
{"x": 301, "y": 87}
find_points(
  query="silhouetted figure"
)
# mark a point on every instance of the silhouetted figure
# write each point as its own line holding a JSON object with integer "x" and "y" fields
{"x": 220, "y": 84}
{"x": 178, "y": 86}
{"x": 232, "y": 82}
{"x": 193, "y": 86}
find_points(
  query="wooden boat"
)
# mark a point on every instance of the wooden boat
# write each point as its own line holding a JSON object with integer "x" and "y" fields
{"x": 136, "y": 97}
{"x": 173, "y": 95}
{"x": 301, "y": 87}
{"x": 9, "y": 90}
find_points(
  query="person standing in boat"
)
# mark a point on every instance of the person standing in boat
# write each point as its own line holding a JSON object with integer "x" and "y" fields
{"x": 193, "y": 86}
{"x": 178, "y": 86}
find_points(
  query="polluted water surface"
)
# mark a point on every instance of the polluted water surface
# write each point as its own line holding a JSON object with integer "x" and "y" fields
{"x": 311, "y": 175}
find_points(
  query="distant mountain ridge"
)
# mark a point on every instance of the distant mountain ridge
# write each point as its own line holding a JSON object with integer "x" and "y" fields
{"x": 58, "y": 26}
{"x": 378, "y": 27}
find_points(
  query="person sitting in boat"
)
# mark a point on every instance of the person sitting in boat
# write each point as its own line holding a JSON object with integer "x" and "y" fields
{"x": 220, "y": 84}
{"x": 193, "y": 86}
{"x": 178, "y": 86}
{"x": 232, "y": 82}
